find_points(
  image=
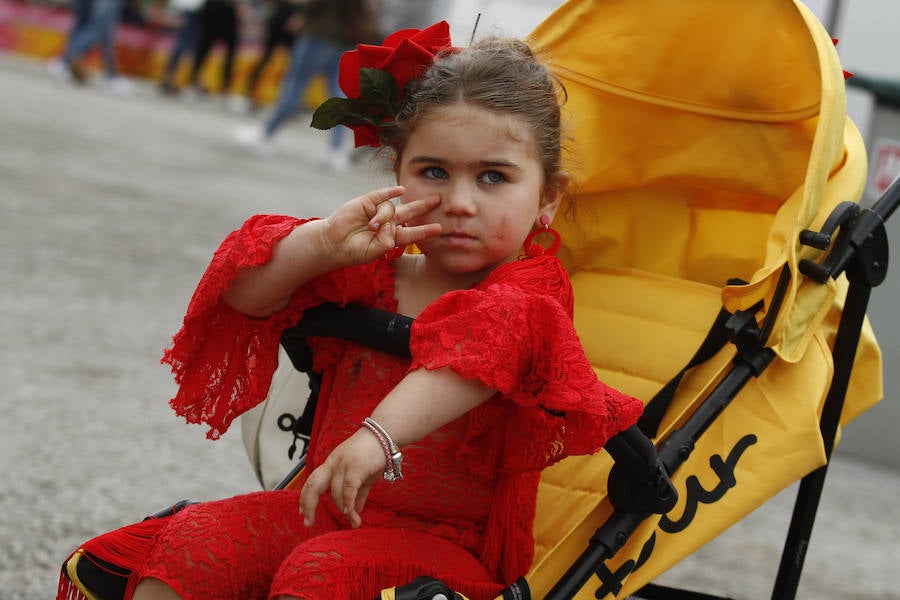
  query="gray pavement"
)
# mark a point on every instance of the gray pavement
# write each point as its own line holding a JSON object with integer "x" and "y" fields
{"x": 109, "y": 210}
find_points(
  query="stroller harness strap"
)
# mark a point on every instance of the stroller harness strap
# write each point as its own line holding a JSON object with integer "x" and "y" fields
{"x": 656, "y": 408}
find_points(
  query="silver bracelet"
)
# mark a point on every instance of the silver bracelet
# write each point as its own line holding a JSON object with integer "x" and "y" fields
{"x": 392, "y": 454}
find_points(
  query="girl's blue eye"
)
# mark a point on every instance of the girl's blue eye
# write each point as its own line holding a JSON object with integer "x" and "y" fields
{"x": 493, "y": 177}
{"x": 434, "y": 173}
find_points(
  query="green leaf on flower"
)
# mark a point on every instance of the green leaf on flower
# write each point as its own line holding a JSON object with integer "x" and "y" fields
{"x": 377, "y": 103}
{"x": 378, "y": 88}
{"x": 342, "y": 111}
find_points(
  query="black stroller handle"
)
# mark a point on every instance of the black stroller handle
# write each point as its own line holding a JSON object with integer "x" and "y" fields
{"x": 372, "y": 327}
{"x": 859, "y": 230}
{"x": 889, "y": 200}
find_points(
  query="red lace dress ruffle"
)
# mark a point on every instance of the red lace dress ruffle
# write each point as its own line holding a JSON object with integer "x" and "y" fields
{"x": 471, "y": 484}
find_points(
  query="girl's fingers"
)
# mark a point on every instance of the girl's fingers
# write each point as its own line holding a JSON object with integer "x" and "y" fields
{"x": 387, "y": 235}
{"x": 344, "y": 487}
{"x": 347, "y": 501}
{"x": 403, "y": 212}
{"x": 354, "y": 519}
{"x": 337, "y": 491}
{"x": 344, "y": 476}
{"x": 384, "y": 214}
{"x": 410, "y": 235}
{"x": 396, "y": 233}
{"x": 357, "y": 503}
{"x": 361, "y": 497}
{"x": 410, "y": 210}
{"x": 378, "y": 197}
{"x": 388, "y": 193}
{"x": 316, "y": 485}
{"x": 379, "y": 205}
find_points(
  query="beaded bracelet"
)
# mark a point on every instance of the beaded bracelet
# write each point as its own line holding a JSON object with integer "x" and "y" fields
{"x": 393, "y": 456}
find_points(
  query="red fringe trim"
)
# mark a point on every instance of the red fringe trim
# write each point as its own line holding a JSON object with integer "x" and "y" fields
{"x": 67, "y": 590}
{"x": 126, "y": 548}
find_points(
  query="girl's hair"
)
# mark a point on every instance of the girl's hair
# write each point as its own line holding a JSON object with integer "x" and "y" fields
{"x": 498, "y": 74}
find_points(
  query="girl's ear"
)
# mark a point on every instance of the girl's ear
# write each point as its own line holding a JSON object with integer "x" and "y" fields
{"x": 553, "y": 194}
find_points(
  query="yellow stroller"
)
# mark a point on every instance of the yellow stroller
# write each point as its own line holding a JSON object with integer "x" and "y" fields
{"x": 707, "y": 242}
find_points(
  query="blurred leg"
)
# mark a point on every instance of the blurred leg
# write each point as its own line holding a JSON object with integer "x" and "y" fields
{"x": 298, "y": 75}
{"x": 107, "y": 17}
{"x": 205, "y": 38}
{"x": 185, "y": 39}
{"x": 82, "y": 34}
{"x": 310, "y": 55}
{"x": 270, "y": 42}
{"x": 229, "y": 33}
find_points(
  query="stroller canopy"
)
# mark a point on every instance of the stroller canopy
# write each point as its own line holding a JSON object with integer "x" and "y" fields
{"x": 725, "y": 121}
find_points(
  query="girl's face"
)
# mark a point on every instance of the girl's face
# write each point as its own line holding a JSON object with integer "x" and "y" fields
{"x": 485, "y": 168}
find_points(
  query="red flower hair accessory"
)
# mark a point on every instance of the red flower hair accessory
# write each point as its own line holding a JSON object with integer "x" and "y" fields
{"x": 375, "y": 80}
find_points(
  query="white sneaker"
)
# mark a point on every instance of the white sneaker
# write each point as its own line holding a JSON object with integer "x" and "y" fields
{"x": 253, "y": 138}
{"x": 119, "y": 86}
{"x": 61, "y": 72}
{"x": 340, "y": 162}
{"x": 194, "y": 93}
{"x": 237, "y": 104}
{"x": 335, "y": 161}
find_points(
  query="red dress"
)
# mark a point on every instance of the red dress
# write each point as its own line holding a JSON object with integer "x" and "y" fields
{"x": 465, "y": 507}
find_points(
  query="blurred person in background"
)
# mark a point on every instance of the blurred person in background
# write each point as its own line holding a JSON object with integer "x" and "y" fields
{"x": 281, "y": 26}
{"x": 94, "y": 22}
{"x": 330, "y": 27}
{"x": 218, "y": 22}
{"x": 185, "y": 40}
{"x": 133, "y": 14}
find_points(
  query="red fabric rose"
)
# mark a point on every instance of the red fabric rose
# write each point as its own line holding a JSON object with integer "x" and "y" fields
{"x": 365, "y": 135}
{"x": 405, "y": 54}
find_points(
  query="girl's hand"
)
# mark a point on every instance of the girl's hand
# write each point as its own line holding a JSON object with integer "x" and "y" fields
{"x": 349, "y": 472}
{"x": 371, "y": 225}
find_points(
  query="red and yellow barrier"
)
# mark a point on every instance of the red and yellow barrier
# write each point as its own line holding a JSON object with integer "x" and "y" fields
{"x": 41, "y": 31}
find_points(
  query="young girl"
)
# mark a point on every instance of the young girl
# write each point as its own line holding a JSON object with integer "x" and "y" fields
{"x": 421, "y": 467}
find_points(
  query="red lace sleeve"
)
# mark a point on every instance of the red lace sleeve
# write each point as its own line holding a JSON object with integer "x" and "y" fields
{"x": 223, "y": 360}
{"x": 514, "y": 334}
